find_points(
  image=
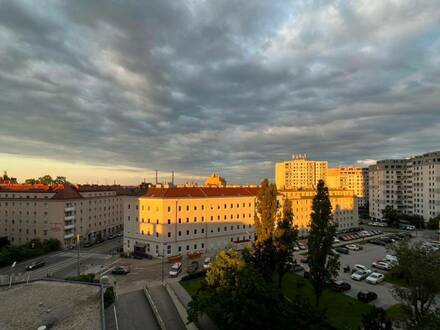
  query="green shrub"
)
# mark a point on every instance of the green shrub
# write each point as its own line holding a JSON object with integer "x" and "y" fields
{"x": 32, "y": 249}
{"x": 109, "y": 297}
{"x": 90, "y": 278}
{"x": 193, "y": 275}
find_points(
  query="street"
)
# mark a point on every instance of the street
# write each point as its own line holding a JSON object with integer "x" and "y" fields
{"x": 64, "y": 263}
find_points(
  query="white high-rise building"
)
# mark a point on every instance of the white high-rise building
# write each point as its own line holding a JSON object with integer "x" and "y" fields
{"x": 412, "y": 186}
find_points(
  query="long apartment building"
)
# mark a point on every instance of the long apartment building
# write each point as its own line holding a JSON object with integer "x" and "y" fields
{"x": 344, "y": 207}
{"x": 350, "y": 178}
{"x": 60, "y": 211}
{"x": 183, "y": 220}
{"x": 412, "y": 186}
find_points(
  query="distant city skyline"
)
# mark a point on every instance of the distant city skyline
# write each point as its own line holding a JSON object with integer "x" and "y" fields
{"x": 118, "y": 89}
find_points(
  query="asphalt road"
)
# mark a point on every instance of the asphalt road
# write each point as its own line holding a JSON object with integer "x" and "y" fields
{"x": 64, "y": 263}
{"x": 132, "y": 313}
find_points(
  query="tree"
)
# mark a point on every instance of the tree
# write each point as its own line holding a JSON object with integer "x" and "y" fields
{"x": 376, "y": 319}
{"x": 263, "y": 254}
{"x": 235, "y": 296}
{"x": 391, "y": 216}
{"x": 434, "y": 223}
{"x": 47, "y": 179}
{"x": 285, "y": 237}
{"x": 419, "y": 267}
{"x": 324, "y": 264}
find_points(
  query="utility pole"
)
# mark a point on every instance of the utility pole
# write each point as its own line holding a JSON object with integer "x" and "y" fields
{"x": 78, "y": 267}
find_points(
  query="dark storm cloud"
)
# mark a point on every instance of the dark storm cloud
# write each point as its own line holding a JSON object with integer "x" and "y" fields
{"x": 231, "y": 86}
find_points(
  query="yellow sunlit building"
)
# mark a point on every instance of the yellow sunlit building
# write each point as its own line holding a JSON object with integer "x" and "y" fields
{"x": 351, "y": 178}
{"x": 345, "y": 210}
{"x": 182, "y": 220}
{"x": 299, "y": 172}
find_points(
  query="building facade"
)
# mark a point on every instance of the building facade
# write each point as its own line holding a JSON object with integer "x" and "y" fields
{"x": 299, "y": 172}
{"x": 344, "y": 207}
{"x": 412, "y": 186}
{"x": 182, "y": 220}
{"x": 60, "y": 211}
{"x": 350, "y": 178}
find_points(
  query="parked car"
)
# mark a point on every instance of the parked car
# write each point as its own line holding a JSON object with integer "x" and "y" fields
{"x": 304, "y": 259}
{"x": 336, "y": 240}
{"x": 342, "y": 250}
{"x": 353, "y": 247}
{"x": 35, "y": 265}
{"x": 391, "y": 259}
{"x": 380, "y": 264}
{"x": 121, "y": 270}
{"x": 375, "y": 278}
{"x": 207, "y": 263}
{"x": 360, "y": 267}
{"x": 175, "y": 270}
{"x": 360, "y": 275}
{"x": 295, "y": 267}
{"x": 340, "y": 286}
{"x": 366, "y": 296}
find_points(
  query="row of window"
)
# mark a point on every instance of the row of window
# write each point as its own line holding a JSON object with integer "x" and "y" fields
{"x": 195, "y": 208}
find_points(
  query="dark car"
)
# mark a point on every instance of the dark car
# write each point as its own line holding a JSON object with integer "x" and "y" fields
{"x": 366, "y": 296}
{"x": 121, "y": 270}
{"x": 340, "y": 286}
{"x": 304, "y": 259}
{"x": 342, "y": 250}
{"x": 35, "y": 265}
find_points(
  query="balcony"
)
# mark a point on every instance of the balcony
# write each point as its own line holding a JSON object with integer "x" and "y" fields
{"x": 69, "y": 217}
{"x": 67, "y": 236}
{"x": 70, "y": 226}
{"x": 69, "y": 209}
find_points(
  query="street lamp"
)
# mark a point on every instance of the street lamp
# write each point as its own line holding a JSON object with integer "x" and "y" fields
{"x": 11, "y": 274}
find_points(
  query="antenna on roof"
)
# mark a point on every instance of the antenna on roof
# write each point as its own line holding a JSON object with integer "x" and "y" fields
{"x": 172, "y": 177}
{"x": 156, "y": 177}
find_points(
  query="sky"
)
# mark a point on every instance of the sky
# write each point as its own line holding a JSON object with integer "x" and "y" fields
{"x": 108, "y": 91}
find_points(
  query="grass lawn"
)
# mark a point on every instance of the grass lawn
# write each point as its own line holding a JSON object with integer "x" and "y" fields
{"x": 397, "y": 313}
{"x": 343, "y": 312}
{"x": 191, "y": 285}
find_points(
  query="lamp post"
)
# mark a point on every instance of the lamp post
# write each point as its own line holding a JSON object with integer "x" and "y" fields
{"x": 163, "y": 257}
{"x": 78, "y": 267}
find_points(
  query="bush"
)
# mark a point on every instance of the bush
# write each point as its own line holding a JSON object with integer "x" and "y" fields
{"x": 433, "y": 223}
{"x": 109, "y": 297}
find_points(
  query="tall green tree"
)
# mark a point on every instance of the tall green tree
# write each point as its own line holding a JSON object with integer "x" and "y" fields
{"x": 391, "y": 216}
{"x": 419, "y": 267}
{"x": 324, "y": 264}
{"x": 263, "y": 255}
{"x": 285, "y": 237}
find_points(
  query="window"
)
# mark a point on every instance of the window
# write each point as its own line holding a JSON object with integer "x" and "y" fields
{"x": 180, "y": 249}
{"x": 195, "y": 246}
{"x": 168, "y": 249}
{"x": 169, "y": 234}
{"x": 187, "y": 232}
{"x": 203, "y": 245}
{"x": 169, "y": 208}
{"x": 187, "y": 247}
{"x": 180, "y": 233}
{"x": 195, "y": 231}
{"x": 169, "y": 221}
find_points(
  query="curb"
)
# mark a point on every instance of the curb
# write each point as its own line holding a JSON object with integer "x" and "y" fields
{"x": 181, "y": 309}
{"x": 154, "y": 308}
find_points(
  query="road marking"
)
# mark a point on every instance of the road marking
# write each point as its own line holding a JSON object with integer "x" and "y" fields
{"x": 116, "y": 317}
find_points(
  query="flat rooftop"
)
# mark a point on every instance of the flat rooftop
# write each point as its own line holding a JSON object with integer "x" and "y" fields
{"x": 58, "y": 305}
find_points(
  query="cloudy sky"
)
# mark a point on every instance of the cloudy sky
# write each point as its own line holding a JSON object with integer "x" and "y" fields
{"x": 105, "y": 90}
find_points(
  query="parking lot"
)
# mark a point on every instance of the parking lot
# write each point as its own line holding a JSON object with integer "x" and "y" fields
{"x": 369, "y": 254}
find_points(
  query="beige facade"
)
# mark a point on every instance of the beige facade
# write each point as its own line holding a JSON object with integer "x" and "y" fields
{"x": 183, "y": 220}
{"x": 412, "y": 186}
{"x": 351, "y": 178}
{"x": 344, "y": 205}
{"x": 299, "y": 172}
{"x": 59, "y": 211}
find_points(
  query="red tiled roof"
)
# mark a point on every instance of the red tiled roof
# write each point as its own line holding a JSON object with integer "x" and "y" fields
{"x": 200, "y": 192}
